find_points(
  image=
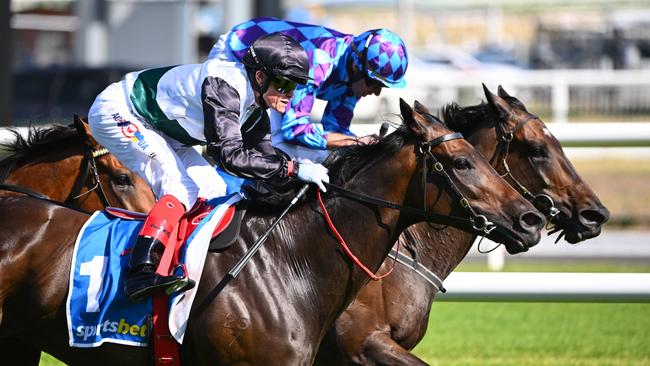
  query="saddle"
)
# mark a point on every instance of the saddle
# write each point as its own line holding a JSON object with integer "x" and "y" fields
{"x": 224, "y": 235}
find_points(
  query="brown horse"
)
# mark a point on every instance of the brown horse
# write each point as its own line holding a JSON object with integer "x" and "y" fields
{"x": 280, "y": 306}
{"x": 391, "y": 316}
{"x": 67, "y": 165}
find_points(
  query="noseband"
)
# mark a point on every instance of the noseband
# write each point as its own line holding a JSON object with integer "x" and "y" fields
{"x": 88, "y": 165}
{"x": 503, "y": 146}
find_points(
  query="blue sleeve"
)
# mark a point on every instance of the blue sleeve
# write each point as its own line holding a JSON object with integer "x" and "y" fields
{"x": 296, "y": 125}
{"x": 338, "y": 114}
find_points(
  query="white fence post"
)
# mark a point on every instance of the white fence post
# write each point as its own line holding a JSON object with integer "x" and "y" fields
{"x": 560, "y": 100}
{"x": 496, "y": 259}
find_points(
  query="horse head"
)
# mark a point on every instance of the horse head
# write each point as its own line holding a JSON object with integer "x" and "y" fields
{"x": 127, "y": 189}
{"x": 526, "y": 154}
{"x": 543, "y": 170}
{"x": 474, "y": 189}
{"x": 68, "y": 165}
{"x": 550, "y": 175}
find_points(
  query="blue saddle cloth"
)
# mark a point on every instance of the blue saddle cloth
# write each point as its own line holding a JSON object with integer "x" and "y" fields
{"x": 97, "y": 308}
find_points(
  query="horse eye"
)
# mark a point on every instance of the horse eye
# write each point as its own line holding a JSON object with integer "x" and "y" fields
{"x": 538, "y": 152}
{"x": 122, "y": 180}
{"x": 461, "y": 163}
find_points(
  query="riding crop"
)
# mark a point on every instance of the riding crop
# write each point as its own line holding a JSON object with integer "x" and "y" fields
{"x": 258, "y": 243}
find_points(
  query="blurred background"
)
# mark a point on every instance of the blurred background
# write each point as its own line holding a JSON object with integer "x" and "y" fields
{"x": 583, "y": 66}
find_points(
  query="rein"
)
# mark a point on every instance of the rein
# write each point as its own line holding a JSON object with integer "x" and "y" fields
{"x": 346, "y": 248}
{"x": 23, "y": 190}
{"x": 467, "y": 224}
{"x": 475, "y": 222}
{"x": 88, "y": 164}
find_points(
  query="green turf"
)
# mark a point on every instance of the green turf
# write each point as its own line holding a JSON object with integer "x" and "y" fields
{"x": 535, "y": 334}
{"x": 47, "y": 360}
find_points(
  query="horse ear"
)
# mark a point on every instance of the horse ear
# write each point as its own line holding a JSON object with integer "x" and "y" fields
{"x": 498, "y": 104}
{"x": 512, "y": 101}
{"x": 414, "y": 124}
{"x": 502, "y": 92}
{"x": 406, "y": 111}
{"x": 420, "y": 108}
{"x": 84, "y": 132}
{"x": 426, "y": 113}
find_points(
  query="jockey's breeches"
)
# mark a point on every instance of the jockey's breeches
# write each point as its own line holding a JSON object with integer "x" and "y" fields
{"x": 169, "y": 166}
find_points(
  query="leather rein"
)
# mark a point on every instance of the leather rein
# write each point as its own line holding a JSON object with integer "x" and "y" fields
{"x": 88, "y": 165}
{"x": 478, "y": 223}
{"x": 474, "y": 222}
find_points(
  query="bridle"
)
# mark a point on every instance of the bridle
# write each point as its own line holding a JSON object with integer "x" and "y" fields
{"x": 541, "y": 201}
{"x": 479, "y": 224}
{"x": 89, "y": 165}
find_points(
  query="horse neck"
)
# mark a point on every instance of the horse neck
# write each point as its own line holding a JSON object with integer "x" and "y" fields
{"x": 53, "y": 175}
{"x": 438, "y": 249}
{"x": 368, "y": 231}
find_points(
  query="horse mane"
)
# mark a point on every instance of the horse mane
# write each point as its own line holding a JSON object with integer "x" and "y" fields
{"x": 352, "y": 160}
{"x": 40, "y": 141}
{"x": 466, "y": 119}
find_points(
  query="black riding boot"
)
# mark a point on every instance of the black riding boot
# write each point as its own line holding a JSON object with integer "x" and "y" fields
{"x": 142, "y": 280}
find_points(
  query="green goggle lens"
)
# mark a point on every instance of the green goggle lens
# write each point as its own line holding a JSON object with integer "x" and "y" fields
{"x": 284, "y": 86}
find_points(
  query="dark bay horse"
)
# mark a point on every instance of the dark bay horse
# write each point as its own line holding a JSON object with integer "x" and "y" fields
{"x": 390, "y": 316}
{"x": 281, "y": 305}
{"x": 67, "y": 165}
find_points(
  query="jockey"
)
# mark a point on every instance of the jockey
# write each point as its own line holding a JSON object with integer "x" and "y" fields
{"x": 343, "y": 69}
{"x": 151, "y": 119}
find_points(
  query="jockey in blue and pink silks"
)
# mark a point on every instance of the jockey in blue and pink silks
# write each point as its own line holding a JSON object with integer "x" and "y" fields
{"x": 343, "y": 68}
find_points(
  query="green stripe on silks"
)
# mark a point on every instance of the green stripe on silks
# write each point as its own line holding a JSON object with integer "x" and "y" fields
{"x": 144, "y": 101}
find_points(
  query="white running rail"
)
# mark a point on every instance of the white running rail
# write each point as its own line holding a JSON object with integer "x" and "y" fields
{"x": 548, "y": 287}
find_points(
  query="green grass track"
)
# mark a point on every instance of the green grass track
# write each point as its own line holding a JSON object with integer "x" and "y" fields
{"x": 537, "y": 334}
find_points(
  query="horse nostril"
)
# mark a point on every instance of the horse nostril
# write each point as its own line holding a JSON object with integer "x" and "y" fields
{"x": 594, "y": 216}
{"x": 532, "y": 220}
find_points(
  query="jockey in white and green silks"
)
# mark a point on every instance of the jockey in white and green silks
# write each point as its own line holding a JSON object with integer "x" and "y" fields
{"x": 152, "y": 118}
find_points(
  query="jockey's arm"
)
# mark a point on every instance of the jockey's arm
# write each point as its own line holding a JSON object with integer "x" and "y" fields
{"x": 226, "y": 146}
{"x": 336, "y": 140}
{"x": 334, "y": 132}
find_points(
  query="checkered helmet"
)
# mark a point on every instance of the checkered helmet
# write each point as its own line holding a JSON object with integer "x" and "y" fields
{"x": 381, "y": 54}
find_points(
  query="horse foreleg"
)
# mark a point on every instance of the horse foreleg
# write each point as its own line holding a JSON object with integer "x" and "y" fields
{"x": 15, "y": 352}
{"x": 381, "y": 349}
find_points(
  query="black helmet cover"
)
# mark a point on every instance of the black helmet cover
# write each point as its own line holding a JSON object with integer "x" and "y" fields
{"x": 279, "y": 55}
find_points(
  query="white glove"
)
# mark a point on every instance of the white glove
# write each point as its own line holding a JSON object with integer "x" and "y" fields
{"x": 313, "y": 173}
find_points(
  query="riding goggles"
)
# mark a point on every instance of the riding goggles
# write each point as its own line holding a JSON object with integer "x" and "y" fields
{"x": 284, "y": 86}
